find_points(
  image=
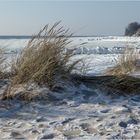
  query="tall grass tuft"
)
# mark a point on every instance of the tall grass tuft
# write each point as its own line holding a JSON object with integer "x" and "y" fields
{"x": 45, "y": 59}
{"x": 126, "y": 63}
{"x": 2, "y": 63}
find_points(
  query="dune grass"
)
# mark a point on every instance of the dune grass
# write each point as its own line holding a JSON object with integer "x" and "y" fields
{"x": 126, "y": 63}
{"x": 45, "y": 60}
{"x": 3, "y": 74}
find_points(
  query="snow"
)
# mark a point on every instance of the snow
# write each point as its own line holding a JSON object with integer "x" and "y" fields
{"x": 95, "y": 64}
{"x": 88, "y": 45}
{"x": 13, "y": 45}
{"x": 80, "y": 112}
{"x": 98, "y": 53}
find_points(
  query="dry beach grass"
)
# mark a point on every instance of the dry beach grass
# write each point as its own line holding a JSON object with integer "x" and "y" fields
{"x": 126, "y": 63}
{"x": 2, "y": 63}
{"x": 44, "y": 60}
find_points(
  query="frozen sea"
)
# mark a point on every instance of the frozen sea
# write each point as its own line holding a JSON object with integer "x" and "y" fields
{"x": 98, "y": 53}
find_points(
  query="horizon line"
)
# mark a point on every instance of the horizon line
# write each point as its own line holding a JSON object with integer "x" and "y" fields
{"x": 29, "y": 36}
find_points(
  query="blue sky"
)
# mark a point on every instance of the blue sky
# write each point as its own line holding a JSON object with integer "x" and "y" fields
{"x": 26, "y": 17}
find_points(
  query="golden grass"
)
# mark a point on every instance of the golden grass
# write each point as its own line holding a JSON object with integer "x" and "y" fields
{"x": 126, "y": 63}
{"x": 2, "y": 63}
{"x": 44, "y": 61}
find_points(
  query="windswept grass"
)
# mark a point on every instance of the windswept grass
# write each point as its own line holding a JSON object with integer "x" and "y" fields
{"x": 126, "y": 63}
{"x": 2, "y": 63}
{"x": 45, "y": 60}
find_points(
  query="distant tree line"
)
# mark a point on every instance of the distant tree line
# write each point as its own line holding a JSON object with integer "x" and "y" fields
{"x": 133, "y": 29}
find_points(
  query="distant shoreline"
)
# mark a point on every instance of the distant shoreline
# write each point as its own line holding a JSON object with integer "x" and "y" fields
{"x": 28, "y": 37}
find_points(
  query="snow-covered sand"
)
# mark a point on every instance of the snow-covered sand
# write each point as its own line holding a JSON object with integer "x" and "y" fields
{"x": 83, "y": 111}
{"x": 76, "y": 112}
